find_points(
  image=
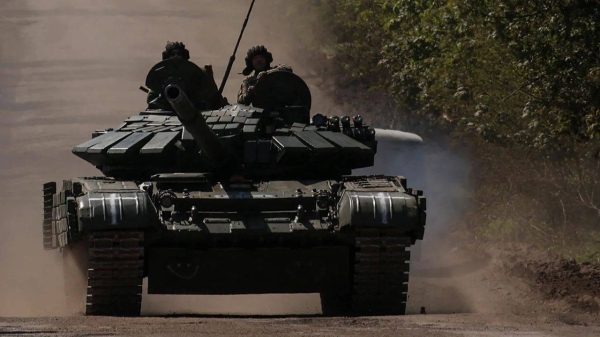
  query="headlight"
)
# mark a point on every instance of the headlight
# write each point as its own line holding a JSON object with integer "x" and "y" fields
{"x": 167, "y": 198}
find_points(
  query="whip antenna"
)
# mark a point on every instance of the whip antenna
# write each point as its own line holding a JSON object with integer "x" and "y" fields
{"x": 232, "y": 58}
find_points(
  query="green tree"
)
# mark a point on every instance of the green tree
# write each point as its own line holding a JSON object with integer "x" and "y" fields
{"x": 510, "y": 71}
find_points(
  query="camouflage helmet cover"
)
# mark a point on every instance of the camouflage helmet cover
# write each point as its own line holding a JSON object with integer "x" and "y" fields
{"x": 254, "y": 51}
{"x": 175, "y": 48}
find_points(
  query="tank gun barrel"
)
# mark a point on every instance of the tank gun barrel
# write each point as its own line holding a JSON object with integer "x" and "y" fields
{"x": 211, "y": 146}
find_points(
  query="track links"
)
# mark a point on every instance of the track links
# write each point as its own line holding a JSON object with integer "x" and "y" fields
{"x": 49, "y": 190}
{"x": 380, "y": 272}
{"x": 115, "y": 273}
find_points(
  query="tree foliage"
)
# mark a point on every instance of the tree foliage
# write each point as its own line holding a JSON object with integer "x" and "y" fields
{"x": 511, "y": 71}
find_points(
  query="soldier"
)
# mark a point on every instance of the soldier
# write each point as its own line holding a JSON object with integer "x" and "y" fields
{"x": 208, "y": 94}
{"x": 172, "y": 50}
{"x": 258, "y": 60}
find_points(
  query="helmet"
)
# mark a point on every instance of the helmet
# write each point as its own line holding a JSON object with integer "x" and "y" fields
{"x": 175, "y": 48}
{"x": 258, "y": 50}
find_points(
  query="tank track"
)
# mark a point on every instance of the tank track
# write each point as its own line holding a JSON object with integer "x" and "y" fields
{"x": 381, "y": 270}
{"x": 49, "y": 189}
{"x": 115, "y": 273}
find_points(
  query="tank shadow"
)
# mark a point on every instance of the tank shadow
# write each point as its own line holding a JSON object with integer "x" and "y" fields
{"x": 436, "y": 299}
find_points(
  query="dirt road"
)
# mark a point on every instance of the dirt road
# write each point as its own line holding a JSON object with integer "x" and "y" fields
{"x": 68, "y": 67}
{"x": 435, "y": 326}
{"x": 463, "y": 296}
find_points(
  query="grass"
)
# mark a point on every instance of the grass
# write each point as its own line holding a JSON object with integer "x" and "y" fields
{"x": 582, "y": 245}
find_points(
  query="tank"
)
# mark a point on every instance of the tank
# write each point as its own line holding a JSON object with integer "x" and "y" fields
{"x": 256, "y": 199}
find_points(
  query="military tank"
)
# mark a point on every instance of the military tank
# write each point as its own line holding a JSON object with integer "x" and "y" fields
{"x": 238, "y": 200}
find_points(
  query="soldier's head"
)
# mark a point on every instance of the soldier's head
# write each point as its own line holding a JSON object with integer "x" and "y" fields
{"x": 258, "y": 59}
{"x": 175, "y": 50}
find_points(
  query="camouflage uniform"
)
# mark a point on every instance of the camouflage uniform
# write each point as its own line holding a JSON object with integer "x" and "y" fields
{"x": 245, "y": 96}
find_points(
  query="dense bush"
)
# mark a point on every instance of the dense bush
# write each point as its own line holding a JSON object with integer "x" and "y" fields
{"x": 510, "y": 71}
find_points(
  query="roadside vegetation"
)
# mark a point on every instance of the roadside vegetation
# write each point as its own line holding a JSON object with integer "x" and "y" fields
{"x": 517, "y": 82}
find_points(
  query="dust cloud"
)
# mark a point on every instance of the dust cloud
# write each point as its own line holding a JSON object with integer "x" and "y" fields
{"x": 444, "y": 278}
{"x": 68, "y": 67}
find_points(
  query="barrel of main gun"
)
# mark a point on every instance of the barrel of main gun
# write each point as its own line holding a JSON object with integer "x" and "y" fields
{"x": 211, "y": 146}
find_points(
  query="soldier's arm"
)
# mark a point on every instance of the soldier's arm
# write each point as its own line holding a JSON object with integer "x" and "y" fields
{"x": 152, "y": 100}
{"x": 152, "y": 95}
{"x": 245, "y": 94}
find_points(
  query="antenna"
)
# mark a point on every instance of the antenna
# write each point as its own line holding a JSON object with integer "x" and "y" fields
{"x": 232, "y": 58}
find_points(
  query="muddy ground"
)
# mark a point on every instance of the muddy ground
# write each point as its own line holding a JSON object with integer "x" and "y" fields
{"x": 68, "y": 67}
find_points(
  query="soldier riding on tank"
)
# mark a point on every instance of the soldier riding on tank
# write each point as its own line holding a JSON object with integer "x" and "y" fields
{"x": 258, "y": 60}
{"x": 201, "y": 86}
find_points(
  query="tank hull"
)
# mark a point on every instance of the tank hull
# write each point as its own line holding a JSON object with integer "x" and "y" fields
{"x": 346, "y": 239}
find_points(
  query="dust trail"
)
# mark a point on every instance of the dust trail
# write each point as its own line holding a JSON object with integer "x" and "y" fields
{"x": 443, "y": 174}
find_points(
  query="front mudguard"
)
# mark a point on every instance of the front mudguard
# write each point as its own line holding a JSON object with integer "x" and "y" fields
{"x": 383, "y": 209}
{"x": 119, "y": 209}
